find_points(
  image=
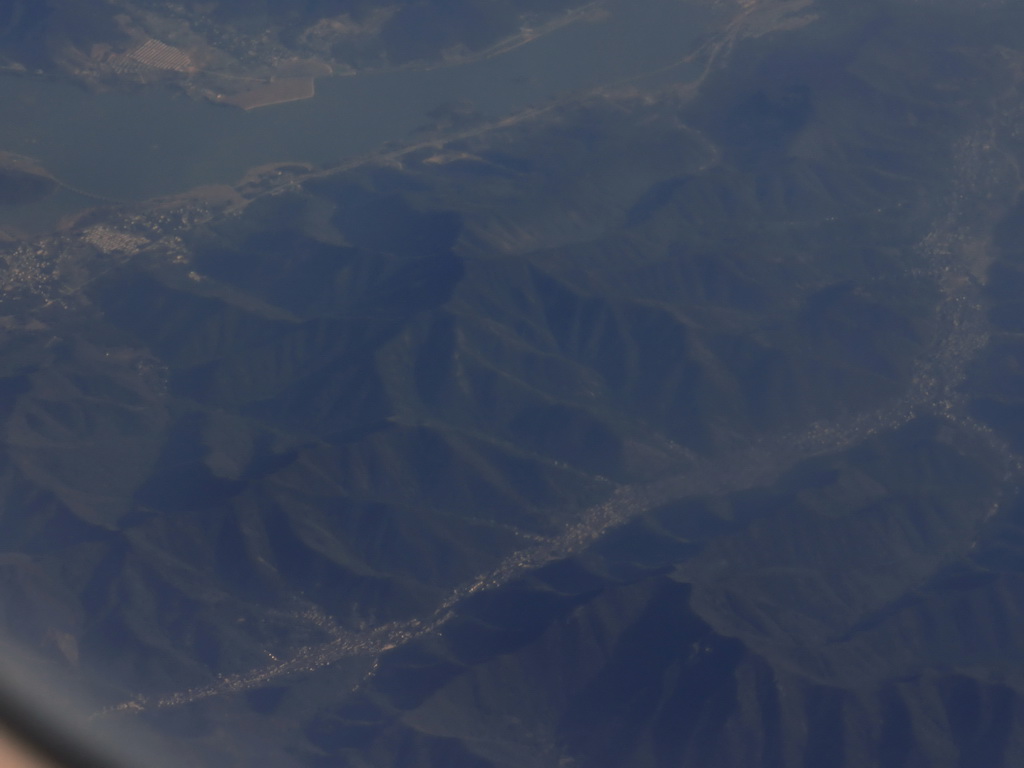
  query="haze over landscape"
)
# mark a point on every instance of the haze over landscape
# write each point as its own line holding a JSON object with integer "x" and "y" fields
{"x": 517, "y": 383}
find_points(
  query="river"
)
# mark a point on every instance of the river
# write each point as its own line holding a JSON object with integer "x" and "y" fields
{"x": 139, "y": 143}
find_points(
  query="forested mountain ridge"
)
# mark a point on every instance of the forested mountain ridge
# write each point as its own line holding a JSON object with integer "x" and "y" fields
{"x": 671, "y": 426}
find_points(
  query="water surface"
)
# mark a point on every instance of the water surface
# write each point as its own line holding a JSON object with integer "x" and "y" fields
{"x": 135, "y": 144}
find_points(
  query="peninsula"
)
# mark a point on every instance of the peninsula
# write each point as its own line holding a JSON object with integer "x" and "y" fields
{"x": 22, "y": 180}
